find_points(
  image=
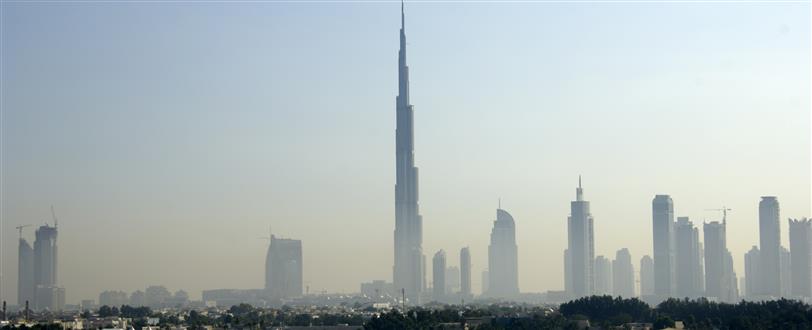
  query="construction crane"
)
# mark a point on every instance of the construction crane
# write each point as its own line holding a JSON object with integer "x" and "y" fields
{"x": 53, "y": 215}
{"x": 20, "y": 229}
{"x": 724, "y": 210}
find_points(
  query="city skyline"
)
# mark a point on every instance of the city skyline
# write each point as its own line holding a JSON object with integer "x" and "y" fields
{"x": 535, "y": 197}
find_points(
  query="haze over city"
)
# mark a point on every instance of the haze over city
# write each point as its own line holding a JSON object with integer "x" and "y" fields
{"x": 172, "y": 137}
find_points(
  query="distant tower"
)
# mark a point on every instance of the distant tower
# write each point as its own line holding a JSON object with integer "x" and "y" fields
{"x": 46, "y": 259}
{"x": 688, "y": 259}
{"x": 503, "y": 257}
{"x": 438, "y": 270}
{"x": 581, "y": 245}
{"x": 769, "y": 230}
{"x": 800, "y": 244}
{"x": 603, "y": 276}
{"x": 623, "y": 274}
{"x": 646, "y": 276}
{"x": 408, "y": 271}
{"x": 752, "y": 274}
{"x": 465, "y": 271}
{"x": 283, "y": 273}
{"x": 720, "y": 279}
{"x": 663, "y": 223}
{"x": 25, "y": 272}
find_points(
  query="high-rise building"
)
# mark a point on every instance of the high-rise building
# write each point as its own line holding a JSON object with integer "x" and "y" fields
{"x": 752, "y": 275}
{"x": 47, "y": 293}
{"x": 603, "y": 276}
{"x": 408, "y": 270}
{"x": 688, "y": 271}
{"x": 623, "y": 274}
{"x": 438, "y": 269}
{"x": 452, "y": 280}
{"x": 663, "y": 223}
{"x": 503, "y": 257}
{"x": 646, "y": 276}
{"x": 786, "y": 273}
{"x": 770, "y": 246}
{"x": 465, "y": 271}
{"x": 283, "y": 268}
{"x": 567, "y": 273}
{"x": 800, "y": 245}
{"x": 25, "y": 273}
{"x": 113, "y": 298}
{"x": 580, "y": 246}
{"x": 720, "y": 279}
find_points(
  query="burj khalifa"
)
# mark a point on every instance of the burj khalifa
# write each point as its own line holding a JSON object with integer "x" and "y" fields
{"x": 408, "y": 271}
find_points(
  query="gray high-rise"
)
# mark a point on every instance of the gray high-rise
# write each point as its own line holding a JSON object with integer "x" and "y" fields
{"x": 47, "y": 295}
{"x": 580, "y": 246}
{"x": 603, "y": 276}
{"x": 720, "y": 279}
{"x": 800, "y": 245}
{"x": 283, "y": 268}
{"x": 465, "y": 271}
{"x": 408, "y": 270}
{"x": 25, "y": 273}
{"x": 688, "y": 265}
{"x": 770, "y": 246}
{"x": 623, "y": 274}
{"x": 664, "y": 257}
{"x": 752, "y": 273}
{"x": 646, "y": 276}
{"x": 503, "y": 261}
{"x": 438, "y": 270}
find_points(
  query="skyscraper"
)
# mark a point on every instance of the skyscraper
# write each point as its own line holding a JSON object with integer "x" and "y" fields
{"x": 465, "y": 271}
{"x": 283, "y": 268}
{"x": 25, "y": 273}
{"x": 603, "y": 276}
{"x": 770, "y": 245}
{"x": 567, "y": 273}
{"x": 623, "y": 274}
{"x": 408, "y": 271}
{"x": 452, "y": 280}
{"x": 663, "y": 224}
{"x": 688, "y": 270}
{"x": 503, "y": 257}
{"x": 752, "y": 275}
{"x": 438, "y": 270}
{"x": 47, "y": 295}
{"x": 786, "y": 273}
{"x": 581, "y": 245}
{"x": 646, "y": 276}
{"x": 720, "y": 279}
{"x": 800, "y": 245}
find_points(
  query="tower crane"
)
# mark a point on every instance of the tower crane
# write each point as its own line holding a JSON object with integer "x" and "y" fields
{"x": 724, "y": 210}
{"x": 20, "y": 229}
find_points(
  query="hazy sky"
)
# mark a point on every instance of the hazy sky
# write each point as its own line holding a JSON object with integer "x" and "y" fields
{"x": 169, "y": 137}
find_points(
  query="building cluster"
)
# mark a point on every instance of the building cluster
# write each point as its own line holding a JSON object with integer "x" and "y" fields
{"x": 684, "y": 266}
{"x": 37, "y": 287}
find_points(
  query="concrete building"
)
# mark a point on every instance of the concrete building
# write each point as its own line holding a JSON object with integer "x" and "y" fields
{"x": 439, "y": 269}
{"x": 465, "y": 271}
{"x": 770, "y": 246}
{"x": 25, "y": 272}
{"x": 378, "y": 289}
{"x": 409, "y": 267}
{"x": 800, "y": 245}
{"x": 452, "y": 280}
{"x": 503, "y": 261}
{"x": 283, "y": 268}
{"x": 603, "y": 276}
{"x": 689, "y": 270}
{"x": 752, "y": 274}
{"x": 720, "y": 279}
{"x": 47, "y": 293}
{"x": 580, "y": 246}
{"x": 786, "y": 273}
{"x": 664, "y": 257}
{"x": 113, "y": 298}
{"x": 646, "y": 276}
{"x": 567, "y": 273}
{"x": 623, "y": 274}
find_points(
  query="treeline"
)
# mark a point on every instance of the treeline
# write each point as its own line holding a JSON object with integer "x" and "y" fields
{"x": 695, "y": 314}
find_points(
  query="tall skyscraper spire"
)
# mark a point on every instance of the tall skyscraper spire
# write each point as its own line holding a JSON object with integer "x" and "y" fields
{"x": 408, "y": 274}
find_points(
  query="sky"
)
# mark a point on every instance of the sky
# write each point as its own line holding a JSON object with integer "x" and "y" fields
{"x": 171, "y": 137}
